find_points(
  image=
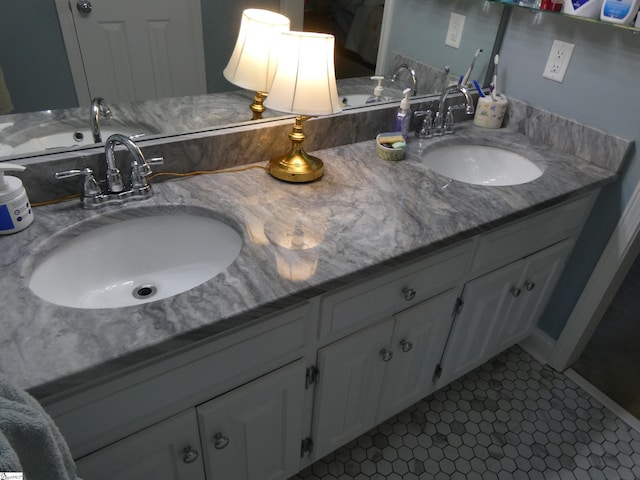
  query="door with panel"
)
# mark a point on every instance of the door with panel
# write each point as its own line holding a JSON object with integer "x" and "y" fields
{"x": 350, "y": 381}
{"x": 127, "y": 51}
{"x": 474, "y": 337}
{"x": 540, "y": 275}
{"x": 255, "y": 431}
{"x": 169, "y": 450}
{"x": 418, "y": 341}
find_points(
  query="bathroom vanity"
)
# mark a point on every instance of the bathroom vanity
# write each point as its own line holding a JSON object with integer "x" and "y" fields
{"x": 406, "y": 281}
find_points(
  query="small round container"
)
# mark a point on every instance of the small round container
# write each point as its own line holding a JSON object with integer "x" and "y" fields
{"x": 489, "y": 114}
{"x": 388, "y": 153}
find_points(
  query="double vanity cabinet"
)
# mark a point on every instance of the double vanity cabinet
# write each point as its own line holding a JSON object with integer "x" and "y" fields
{"x": 264, "y": 401}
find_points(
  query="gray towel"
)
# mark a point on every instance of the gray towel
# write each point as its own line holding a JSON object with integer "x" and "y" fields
{"x": 30, "y": 442}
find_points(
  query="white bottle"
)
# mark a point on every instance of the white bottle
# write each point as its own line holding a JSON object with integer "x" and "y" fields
{"x": 404, "y": 114}
{"x": 377, "y": 92}
{"x": 619, "y": 11}
{"x": 15, "y": 210}
{"x": 582, "y": 8}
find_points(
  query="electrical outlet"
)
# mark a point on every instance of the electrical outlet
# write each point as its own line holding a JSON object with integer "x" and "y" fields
{"x": 558, "y": 61}
{"x": 454, "y": 34}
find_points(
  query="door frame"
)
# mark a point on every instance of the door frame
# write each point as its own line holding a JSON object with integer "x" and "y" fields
{"x": 605, "y": 280}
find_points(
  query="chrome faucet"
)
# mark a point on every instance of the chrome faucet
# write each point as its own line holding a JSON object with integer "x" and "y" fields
{"x": 93, "y": 195}
{"x": 443, "y": 122}
{"x": 411, "y": 71}
{"x": 98, "y": 109}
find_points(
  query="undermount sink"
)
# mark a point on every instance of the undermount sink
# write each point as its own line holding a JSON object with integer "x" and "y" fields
{"x": 481, "y": 165}
{"x": 359, "y": 99}
{"x": 80, "y": 137}
{"x": 136, "y": 261}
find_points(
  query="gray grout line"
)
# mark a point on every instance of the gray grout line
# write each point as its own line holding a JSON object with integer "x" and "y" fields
{"x": 588, "y": 387}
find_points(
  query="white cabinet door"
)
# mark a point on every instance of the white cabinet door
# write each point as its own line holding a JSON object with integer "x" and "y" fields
{"x": 169, "y": 450}
{"x": 351, "y": 375}
{"x": 540, "y": 275}
{"x": 418, "y": 341}
{"x": 255, "y": 431}
{"x": 474, "y": 336}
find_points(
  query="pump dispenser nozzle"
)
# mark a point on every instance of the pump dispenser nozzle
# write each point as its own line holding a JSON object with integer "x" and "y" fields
{"x": 377, "y": 91}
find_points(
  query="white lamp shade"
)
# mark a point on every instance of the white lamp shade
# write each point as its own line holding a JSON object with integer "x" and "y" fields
{"x": 305, "y": 81}
{"x": 254, "y": 59}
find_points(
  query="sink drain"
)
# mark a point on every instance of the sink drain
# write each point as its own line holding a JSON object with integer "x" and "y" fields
{"x": 144, "y": 291}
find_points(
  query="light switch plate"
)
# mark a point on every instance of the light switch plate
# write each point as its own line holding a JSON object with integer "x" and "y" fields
{"x": 558, "y": 61}
{"x": 454, "y": 34}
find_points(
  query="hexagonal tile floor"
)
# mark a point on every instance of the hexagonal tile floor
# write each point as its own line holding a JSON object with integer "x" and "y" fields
{"x": 511, "y": 418}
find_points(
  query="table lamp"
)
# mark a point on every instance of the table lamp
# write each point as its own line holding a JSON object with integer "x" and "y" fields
{"x": 254, "y": 59}
{"x": 304, "y": 84}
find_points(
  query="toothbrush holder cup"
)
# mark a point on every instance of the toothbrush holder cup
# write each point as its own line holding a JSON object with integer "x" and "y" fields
{"x": 490, "y": 113}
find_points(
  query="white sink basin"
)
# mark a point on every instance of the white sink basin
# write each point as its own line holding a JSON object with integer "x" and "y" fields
{"x": 358, "y": 100}
{"x": 68, "y": 139}
{"x": 481, "y": 165}
{"x": 136, "y": 261}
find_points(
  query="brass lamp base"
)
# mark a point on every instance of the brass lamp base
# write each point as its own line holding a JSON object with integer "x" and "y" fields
{"x": 257, "y": 106}
{"x": 297, "y": 166}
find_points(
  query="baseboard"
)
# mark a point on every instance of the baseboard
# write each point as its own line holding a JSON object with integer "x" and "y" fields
{"x": 539, "y": 345}
{"x": 624, "y": 415}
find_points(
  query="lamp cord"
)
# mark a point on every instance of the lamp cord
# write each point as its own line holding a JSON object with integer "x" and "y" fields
{"x": 171, "y": 174}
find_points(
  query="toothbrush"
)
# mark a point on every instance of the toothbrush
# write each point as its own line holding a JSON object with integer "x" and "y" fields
{"x": 467, "y": 75}
{"x": 477, "y": 85}
{"x": 496, "y": 59}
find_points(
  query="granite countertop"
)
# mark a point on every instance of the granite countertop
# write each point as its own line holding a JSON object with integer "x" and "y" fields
{"x": 363, "y": 216}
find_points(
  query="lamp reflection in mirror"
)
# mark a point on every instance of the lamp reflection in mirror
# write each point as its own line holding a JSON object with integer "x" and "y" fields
{"x": 255, "y": 56}
{"x": 304, "y": 84}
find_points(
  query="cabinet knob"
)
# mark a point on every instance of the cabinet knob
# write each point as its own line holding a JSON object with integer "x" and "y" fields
{"x": 409, "y": 293}
{"x": 386, "y": 355}
{"x": 190, "y": 455}
{"x": 515, "y": 291}
{"x": 406, "y": 345}
{"x": 221, "y": 441}
{"x": 529, "y": 286}
{"x": 84, "y": 6}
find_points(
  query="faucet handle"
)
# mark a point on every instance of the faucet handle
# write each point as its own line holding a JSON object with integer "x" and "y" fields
{"x": 90, "y": 186}
{"x": 425, "y": 130}
{"x": 448, "y": 121}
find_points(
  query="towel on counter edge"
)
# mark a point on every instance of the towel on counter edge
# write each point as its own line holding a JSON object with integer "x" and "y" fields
{"x": 30, "y": 442}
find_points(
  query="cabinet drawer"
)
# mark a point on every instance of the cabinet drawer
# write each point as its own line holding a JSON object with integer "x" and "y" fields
{"x": 125, "y": 405}
{"x": 529, "y": 235}
{"x": 370, "y": 301}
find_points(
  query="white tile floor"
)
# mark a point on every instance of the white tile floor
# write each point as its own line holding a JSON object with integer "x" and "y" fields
{"x": 511, "y": 418}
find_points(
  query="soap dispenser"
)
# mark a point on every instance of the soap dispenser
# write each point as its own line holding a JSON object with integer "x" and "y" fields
{"x": 15, "y": 210}
{"x": 403, "y": 118}
{"x": 377, "y": 92}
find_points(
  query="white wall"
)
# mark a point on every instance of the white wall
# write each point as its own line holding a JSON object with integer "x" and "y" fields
{"x": 601, "y": 90}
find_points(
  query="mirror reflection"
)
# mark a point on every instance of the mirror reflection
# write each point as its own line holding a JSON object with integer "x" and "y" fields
{"x": 40, "y": 92}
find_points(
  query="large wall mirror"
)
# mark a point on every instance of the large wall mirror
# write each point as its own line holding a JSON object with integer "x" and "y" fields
{"x": 49, "y": 97}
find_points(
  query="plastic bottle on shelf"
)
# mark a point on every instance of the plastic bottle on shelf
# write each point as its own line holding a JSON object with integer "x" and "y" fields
{"x": 619, "y": 11}
{"x": 583, "y": 8}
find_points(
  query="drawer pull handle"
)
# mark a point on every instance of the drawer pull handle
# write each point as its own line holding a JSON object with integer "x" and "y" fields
{"x": 406, "y": 345}
{"x": 409, "y": 293}
{"x": 529, "y": 286}
{"x": 515, "y": 291}
{"x": 190, "y": 455}
{"x": 386, "y": 355}
{"x": 221, "y": 441}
